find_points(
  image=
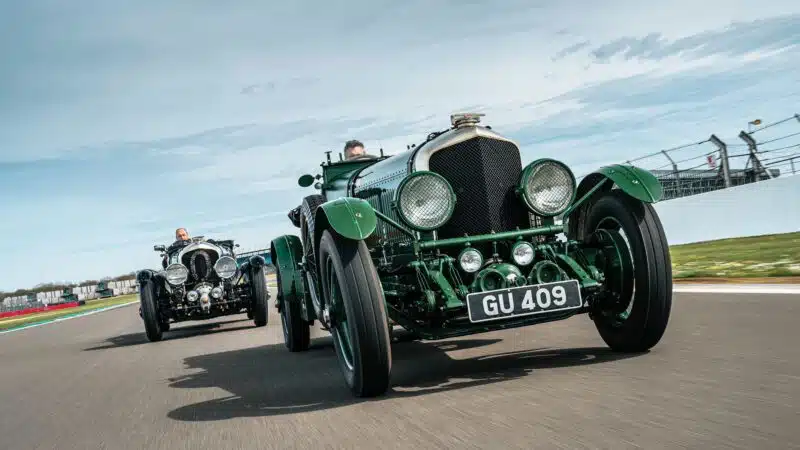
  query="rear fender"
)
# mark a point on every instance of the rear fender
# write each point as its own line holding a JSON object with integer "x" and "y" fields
{"x": 286, "y": 253}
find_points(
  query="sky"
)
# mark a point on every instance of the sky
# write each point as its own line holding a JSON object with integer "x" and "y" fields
{"x": 121, "y": 121}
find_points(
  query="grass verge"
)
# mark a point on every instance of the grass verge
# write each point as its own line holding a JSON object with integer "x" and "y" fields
{"x": 18, "y": 321}
{"x": 773, "y": 258}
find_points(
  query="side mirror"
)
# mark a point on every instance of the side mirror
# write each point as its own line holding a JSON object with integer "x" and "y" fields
{"x": 237, "y": 245}
{"x": 159, "y": 248}
{"x": 306, "y": 180}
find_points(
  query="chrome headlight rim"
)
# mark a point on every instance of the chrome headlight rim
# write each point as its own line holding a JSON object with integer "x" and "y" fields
{"x": 173, "y": 268}
{"x": 529, "y": 171}
{"x": 470, "y": 250}
{"x": 521, "y": 244}
{"x": 219, "y": 273}
{"x": 399, "y": 194}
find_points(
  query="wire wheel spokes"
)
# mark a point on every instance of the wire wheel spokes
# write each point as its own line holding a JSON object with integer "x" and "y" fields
{"x": 618, "y": 257}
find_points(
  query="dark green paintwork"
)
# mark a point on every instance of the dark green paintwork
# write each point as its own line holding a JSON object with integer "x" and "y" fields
{"x": 335, "y": 177}
{"x": 424, "y": 287}
{"x": 350, "y": 217}
{"x": 636, "y": 182}
{"x": 495, "y": 276}
{"x": 305, "y": 180}
{"x": 287, "y": 253}
{"x": 505, "y": 235}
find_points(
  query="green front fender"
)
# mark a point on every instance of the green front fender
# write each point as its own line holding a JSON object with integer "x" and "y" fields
{"x": 352, "y": 218}
{"x": 634, "y": 181}
{"x": 638, "y": 183}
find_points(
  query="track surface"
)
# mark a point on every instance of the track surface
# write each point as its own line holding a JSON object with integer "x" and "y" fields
{"x": 726, "y": 375}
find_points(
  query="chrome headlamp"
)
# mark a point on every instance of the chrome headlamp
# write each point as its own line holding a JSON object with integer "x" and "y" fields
{"x": 425, "y": 200}
{"x": 547, "y": 187}
{"x": 226, "y": 267}
{"x": 522, "y": 253}
{"x": 470, "y": 260}
{"x": 176, "y": 274}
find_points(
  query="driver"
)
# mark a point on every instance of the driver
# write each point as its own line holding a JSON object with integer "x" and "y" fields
{"x": 181, "y": 239}
{"x": 353, "y": 151}
{"x": 181, "y": 234}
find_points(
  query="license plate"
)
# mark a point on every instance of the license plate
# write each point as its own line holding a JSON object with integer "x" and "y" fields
{"x": 524, "y": 301}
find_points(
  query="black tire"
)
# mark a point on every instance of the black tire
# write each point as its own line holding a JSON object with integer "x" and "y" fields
{"x": 367, "y": 365}
{"x": 652, "y": 272}
{"x": 150, "y": 316}
{"x": 296, "y": 331}
{"x": 258, "y": 280}
{"x": 307, "y": 210}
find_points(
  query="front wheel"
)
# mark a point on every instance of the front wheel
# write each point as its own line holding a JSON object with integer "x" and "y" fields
{"x": 634, "y": 315}
{"x": 260, "y": 295}
{"x": 354, "y": 296}
{"x": 150, "y": 316}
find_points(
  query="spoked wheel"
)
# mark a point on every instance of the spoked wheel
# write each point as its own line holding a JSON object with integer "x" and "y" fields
{"x": 635, "y": 257}
{"x": 307, "y": 210}
{"x": 150, "y": 316}
{"x": 260, "y": 294}
{"x": 296, "y": 331}
{"x": 353, "y": 293}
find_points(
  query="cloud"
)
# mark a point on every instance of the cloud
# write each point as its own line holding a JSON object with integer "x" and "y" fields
{"x": 572, "y": 49}
{"x": 291, "y": 83}
{"x": 737, "y": 39}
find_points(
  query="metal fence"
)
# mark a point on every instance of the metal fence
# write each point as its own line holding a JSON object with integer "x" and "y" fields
{"x": 714, "y": 164}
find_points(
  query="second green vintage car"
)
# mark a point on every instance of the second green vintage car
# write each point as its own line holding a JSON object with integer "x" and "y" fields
{"x": 457, "y": 236}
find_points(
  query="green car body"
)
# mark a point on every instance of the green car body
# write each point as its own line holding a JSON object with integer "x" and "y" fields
{"x": 469, "y": 184}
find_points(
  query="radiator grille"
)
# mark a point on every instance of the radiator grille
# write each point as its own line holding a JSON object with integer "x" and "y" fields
{"x": 200, "y": 264}
{"x": 484, "y": 173}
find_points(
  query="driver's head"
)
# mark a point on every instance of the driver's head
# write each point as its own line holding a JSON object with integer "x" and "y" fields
{"x": 181, "y": 234}
{"x": 353, "y": 149}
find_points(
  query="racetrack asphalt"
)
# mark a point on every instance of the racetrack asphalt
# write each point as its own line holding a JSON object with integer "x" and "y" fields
{"x": 726, "y": 375}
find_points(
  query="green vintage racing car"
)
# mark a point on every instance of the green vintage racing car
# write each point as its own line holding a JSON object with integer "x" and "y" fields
{"x": 456, "y": 236}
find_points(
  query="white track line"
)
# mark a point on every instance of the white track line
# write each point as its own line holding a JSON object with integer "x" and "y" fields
{"x": 737, "y": 288}
{"x": 61, "y": 319}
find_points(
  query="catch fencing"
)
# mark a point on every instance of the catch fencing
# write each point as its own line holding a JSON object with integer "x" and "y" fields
{"x": 714, "y": 164}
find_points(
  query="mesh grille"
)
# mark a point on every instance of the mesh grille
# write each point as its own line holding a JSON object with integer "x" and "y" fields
{"x": 549, "y": 187}
{"x": 200, "y": 264}
{"x": 483, "y": 173}
{"x": 426, "y": 201}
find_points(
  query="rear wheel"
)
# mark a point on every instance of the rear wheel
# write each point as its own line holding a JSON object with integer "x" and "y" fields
{"x": 354, "y": 296}
{"x": 634, "y": 315}
{"x": 296, "y": 331}
{"x": 149, "y": 301}
{"x": 308, "y": 209}
{"x": 258, "y": 282}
